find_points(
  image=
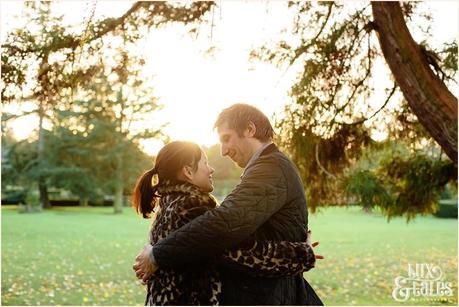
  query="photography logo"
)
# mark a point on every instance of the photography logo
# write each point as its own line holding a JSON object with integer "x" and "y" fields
{"x": 423, "y": 280}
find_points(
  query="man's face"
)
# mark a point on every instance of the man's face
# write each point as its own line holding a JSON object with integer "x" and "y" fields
{"x": 236, "y": 147}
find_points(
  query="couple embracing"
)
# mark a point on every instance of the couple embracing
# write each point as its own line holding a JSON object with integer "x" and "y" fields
{"x": 251, "y": 249}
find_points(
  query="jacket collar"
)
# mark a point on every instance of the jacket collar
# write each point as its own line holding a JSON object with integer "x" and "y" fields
{"x": 268, "y": 150}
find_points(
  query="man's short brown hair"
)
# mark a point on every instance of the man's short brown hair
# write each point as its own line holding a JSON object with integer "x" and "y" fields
{"x": 238, "y": 117}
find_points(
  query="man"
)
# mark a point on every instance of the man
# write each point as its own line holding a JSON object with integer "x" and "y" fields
{"x": 268, "y": 204}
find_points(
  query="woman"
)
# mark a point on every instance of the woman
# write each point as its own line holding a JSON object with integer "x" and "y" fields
{"x": 181, "y": 194}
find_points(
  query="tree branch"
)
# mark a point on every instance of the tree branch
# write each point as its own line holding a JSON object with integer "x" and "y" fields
{"x": 320, "y": 165}
{"x": 8, "y": 116}
{"x": 168, "y": 12}
{"x": 360, "y": 82}
{"x": 303, "y": 49}
{"x": 392, "y": 92}
{"x": 428, "y": 97}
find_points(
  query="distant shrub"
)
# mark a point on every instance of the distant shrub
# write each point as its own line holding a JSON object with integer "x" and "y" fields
{"x": 447, "y": 208}
{"x": 13, "y": 197}
{"x": 32, "y": 202}
{"x": 224, "y": 187}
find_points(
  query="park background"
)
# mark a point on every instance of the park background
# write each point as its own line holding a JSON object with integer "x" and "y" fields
{"x": 91, "y": 90}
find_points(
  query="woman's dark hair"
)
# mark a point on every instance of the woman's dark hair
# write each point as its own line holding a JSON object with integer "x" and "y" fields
{"x": 169, "y": 161}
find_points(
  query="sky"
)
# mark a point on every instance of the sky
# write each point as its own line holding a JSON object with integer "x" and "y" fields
{"x": 194, "y": 86}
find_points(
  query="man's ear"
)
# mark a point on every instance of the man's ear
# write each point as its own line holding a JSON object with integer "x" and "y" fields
{"x": 186, "y": 172}
{"x": 251, "y": 130}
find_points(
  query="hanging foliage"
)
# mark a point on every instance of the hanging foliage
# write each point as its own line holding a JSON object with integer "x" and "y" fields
{"x": 343, "y": 106}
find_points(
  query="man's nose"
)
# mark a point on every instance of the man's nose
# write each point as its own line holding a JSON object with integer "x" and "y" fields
{"x": 212, "y": 170}
{"x": 224, "y": 151}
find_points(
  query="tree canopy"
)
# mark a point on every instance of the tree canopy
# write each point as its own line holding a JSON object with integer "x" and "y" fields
{"x": 339, "y": 107}
{"x": 373, "y": 120}
{"x": 83, "y": 99}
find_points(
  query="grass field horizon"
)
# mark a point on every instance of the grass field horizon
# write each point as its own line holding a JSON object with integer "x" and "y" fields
{"x": 83, "y": 256}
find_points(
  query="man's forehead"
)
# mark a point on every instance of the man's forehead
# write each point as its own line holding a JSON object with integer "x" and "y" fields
{"x": 224, "y": 129}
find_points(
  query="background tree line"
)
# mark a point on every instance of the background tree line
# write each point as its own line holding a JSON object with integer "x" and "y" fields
{"x": 329, "y": 129}
{"x": 87, "y": 86}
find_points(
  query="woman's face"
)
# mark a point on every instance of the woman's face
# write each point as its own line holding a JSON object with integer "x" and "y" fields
{"x": 202, "y": 177}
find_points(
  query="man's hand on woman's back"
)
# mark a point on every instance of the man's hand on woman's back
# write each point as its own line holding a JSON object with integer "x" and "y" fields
{"x": 145, "y": 266}
{"x": 309, "y": 241}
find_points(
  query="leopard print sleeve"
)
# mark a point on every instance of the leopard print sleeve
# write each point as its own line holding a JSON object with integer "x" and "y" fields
{"x": 273, "y": 259}
{"x": 178, "y": 211}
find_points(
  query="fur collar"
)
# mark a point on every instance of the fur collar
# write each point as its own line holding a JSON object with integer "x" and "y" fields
{"x": 187, "y": 189}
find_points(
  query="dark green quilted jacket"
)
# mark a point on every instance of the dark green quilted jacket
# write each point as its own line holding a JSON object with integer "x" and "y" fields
{"x": 268, "y": 204}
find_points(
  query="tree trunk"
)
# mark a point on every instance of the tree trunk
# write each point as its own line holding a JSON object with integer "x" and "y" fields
{"x": 42, "y": 188}
{"x": 428, "y": 97}
{"x": 118, "y": 203}
{"x": 84, "y": 201}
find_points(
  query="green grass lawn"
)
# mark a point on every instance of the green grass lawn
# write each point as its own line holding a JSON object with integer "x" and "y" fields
{"x": 83, "y": 256}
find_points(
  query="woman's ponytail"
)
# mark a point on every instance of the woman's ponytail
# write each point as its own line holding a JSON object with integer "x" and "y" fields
{"x": 144, "y": 196}
{"x": 169, "y": 161}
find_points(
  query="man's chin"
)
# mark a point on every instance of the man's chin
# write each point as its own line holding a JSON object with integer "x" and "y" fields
{"x": 241, "y": 165}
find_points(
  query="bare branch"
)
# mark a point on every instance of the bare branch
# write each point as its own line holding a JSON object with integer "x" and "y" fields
{"x": 320, "y": 165}
{"x": 379, "y": 110}
{"x": 8, "y": 116}
{"x": 303, "y": 49}
{"x": 360, "y": 82}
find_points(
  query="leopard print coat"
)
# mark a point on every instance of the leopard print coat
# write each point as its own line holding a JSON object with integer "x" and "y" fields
{"x": 181, "y": 202}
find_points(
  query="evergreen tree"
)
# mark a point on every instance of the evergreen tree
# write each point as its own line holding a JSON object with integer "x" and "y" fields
{"x": 41, "y": 63}
{"x": 333, "y": 120}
